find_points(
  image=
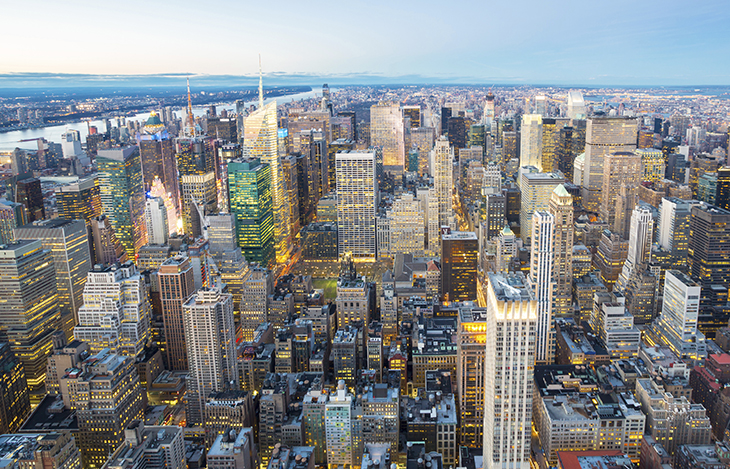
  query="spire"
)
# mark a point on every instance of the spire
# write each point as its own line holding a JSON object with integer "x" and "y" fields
{"x": 191, "y": 119}
{"x": 261, "y": 85}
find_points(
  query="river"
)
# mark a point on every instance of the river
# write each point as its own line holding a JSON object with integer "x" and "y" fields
{"x": 11, "y": 140}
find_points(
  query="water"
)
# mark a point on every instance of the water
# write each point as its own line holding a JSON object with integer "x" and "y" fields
{"x": 11, "y": 140}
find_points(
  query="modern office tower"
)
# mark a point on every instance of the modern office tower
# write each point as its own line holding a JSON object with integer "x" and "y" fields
{"x": 508, "y": 376}
{"x": 604, "y": 135}
{"x": 610, "y": 257}
{"x": 18, "y": 162}
{"x": 509, "y": 146}
{"x": 626, "y": 200}
{"x": 313, "y": 423}
{"x": 357, "y": 195}
{"x": 708, "y": 249}
{"x": 235, "y": 449}
{"x": 106, "y": 247}
{"x": 459, "y": 260}
{"x": 571, "y": 143}
{"x": 319, "y": 242}
{"x": 406, "y": 226}
{"x": 581, "y": 260}
{"x": 210, "y": 336}
{"x": 353, "y": 296}
{"x": 14, "y": 398}
{"x": 28, "y": 192}
{"x": 445, "y": 115}
{"x": 561, "y": 208}
{"x": 576, "y": 105}
{"x": 257, "y": 287}
{"x": 489, "y": 109}
{"x": 155, "y": 214}
{"x": 250, "y": 197}
{"x": 122, "y": 195}
{"x": 619, "y": 168}
{"x": 429, "y": 206}
{"x": 652, "y": 164}
{"x": 345, "y": 356}
{"x": 261, "y": 140}
{"x": 30, "y": 313}
{"x": 536, "y": 190}
{"x": 339, "y": 416}
{"x": 531, "y": 141}
{"x": 722, "y": 197}
{"x": 707, "y": 188}
{"x": 506, "y": 250}
{"x": 550, "y": 146}
{"x": 614, "y": 325}
{"x": 542, "y": 281}
{"x": 79, "y": 200}
{"x": 676, "y": 326}
{"x": 457, "y": 133}
{"x": 221, "y": 233}
{"x": 68, "y": 243}
{"x": 673, "y": 227}
{"x": 470, "y": 341}
{"x": 641, "y": 236}
{"x": 157, "y": 447}
{"x": 423, "y": 139}
{"x": 175, "y": 277}
{"x": 701, "y": 164}
{"x": 477, "y": 136}
{"x": 157, "y": 153}
{"x": 199, "y": 198}
{"x": 414, "y": 114}
{"x": 107, "y": 396}
{"x": 291, "y": 179}
{"x": 386, "y": 132}
{"x": 12, "y": 215}
{"x": 442, "y": 169}
{"x": 496, "y": 220}
{"x": 116, "y": 310}
{"x": 539, "y": 105}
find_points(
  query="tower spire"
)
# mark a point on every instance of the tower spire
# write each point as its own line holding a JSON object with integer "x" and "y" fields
{"x": 261, "y": 85}
{"x": 191, "y": 119}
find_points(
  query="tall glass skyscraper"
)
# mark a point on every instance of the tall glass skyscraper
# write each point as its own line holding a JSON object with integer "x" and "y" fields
{"x": 122, "y": 195}
{"x": 250, "y": 199}
{"x": 386, "y": 132}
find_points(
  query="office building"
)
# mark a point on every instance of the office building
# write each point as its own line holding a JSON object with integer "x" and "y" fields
{"x": 29, "y": 193}
{"x": 604, "y": 135}
{"x": 175, "y": 277}
{"x": 722, "y": 197}
{"x": 652, "y": 164}
{"x": 640, "y": 241}
{"x": 116, "y": 310}
{"x": 226, "y": 411}
{"x": 561, "y": 208}
{"x": 542, "y": 282}
{"x": 619, "y": 168}
{"x": 235, "y": 449}
{"x": 30, "y": 313}
{"x": 106, "y": 247}
{"x": 550, "y": 143}
{"x": 614, "y": 325}
{"x": 199, "y": 198}
{"x": 386, "y": 132}
{"x": 406, "y": 226}
{"x": 708, "y": 249}
{"x": 107, "y": 396}
{"x": 222, "y": 233}
{"x": 459, "y": 260}
{"x": 576, "y": 105}
{"x": 470, "y": 341}
{"x": 157, "y": 153}
{"x": 68, "y": 243}
{"x": 153, "y": 447}
{"x": 319, "y": 242}
{"x": 210, "y": 337}
{"x": 340, "y": 440}
{"x": 251, "y": 202}
{"x": 357, "y": 195}
{"x": 79, "y": 200}
{"x": 40, "y": 450}
{"x": 442, "y": 169}
{"x": 536, "y": 190}
{"x": 511, "y": 325}
{"x": 610, "y": 257}
{"x": 531, "y": 141}
{"x": 257, "y": 287}
{"x": 155, "y": 214}
{"x": 122, "y": 195}
{"x": 673, "y": 227}
{"x": 14, "y": 397}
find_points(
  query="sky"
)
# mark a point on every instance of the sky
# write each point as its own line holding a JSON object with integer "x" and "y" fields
{"x": 609, "y": 42}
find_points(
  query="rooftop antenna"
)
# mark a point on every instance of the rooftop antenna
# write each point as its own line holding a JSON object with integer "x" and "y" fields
{"x": 191, "y": 119}
{"x": 261, "y": 85}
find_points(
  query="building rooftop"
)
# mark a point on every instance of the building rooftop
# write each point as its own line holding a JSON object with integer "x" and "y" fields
{"x": 594, "y": 460}
{"x": 51, "y": 416}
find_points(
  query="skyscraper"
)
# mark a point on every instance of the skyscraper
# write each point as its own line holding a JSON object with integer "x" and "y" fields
{"x": 459, "y": 259}
{"x": 122, "y": 195}
{"x": 357, "y": 195}
{"x": 155, "y": 215}
{"x": 28, "y": 192}
{"x": 550, "y": 147}
{"x": 199, "y": 198}
{"x": 508, "y": 383}
{"x": 561, "y": 208}
{"x": 709, "y": 248}
{"x": 652, "y": 163}
{"x": 536, "y": 190}
{"x": 30, "y": 314}
{"x": 211, "y": 338}
{"x": 576, "y": 105}
{"x": 442, "y": 168}
{"x": 673, "y": 227}
{"x": 261, "y": 142}
{"x": 722, "y": 197}
{"x": 531, "y": 141}
{"x": 471, "y": 341}
{"x": 641, "y": 236}
{"x": 79, "y": 200}
{"x": 250, "y": 199}
{"x": 106, "y": 247}
{"x": 541, "y": 279}
{"x": 68, "y": 243}
{"x": 14, "y": 399}
{"x": 619, "y": 168}
{"x": 176, "y": 286}
{"x": 386, "y": 132}
{"x": 340, "y": 441}
{"x": 116, "y": 310}
{"x": 604, "y": 135}
{"x": 157, "y": 154}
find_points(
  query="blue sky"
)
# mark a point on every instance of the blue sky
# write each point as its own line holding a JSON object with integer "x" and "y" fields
{"x": 533, "y": 42}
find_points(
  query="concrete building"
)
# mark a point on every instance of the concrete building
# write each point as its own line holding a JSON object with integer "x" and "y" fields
{"x": 234, "y": 449}
{"x": 357, "y": 195}
{"x": 536, "y": 190}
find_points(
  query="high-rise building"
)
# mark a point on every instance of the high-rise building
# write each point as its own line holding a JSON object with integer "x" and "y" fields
{"x": 550, "y": 148}
{"x": 542, "y": 282}
{"x": 470, "y": 341}
{"x": 339, "y": 416}
{"x": 79, "y": 200}
{"x": 116, "y": 310}
{"x": 30, "y": 314}
{"x": 442, "y": 169}
{"x": 107, "y": 396}
{"x": 614, "y": 326}
{"x": 68, "y": 243}
{"x": 509, "y": 376}
{"x": 211, "y": 339}
{"x": 199, "y": 198}
{"x": 157, "y": 154}
{"x": 106, "y": 247}
{"x": 576, "y": 105}
{"x": 619, "y": 168}
{"x": 610, "y": 257}
{"x": 261, "y": 142}
{"x": 604, "y": 135}
{"x": 489, "y": 109}
{"x": 641, "y": 236}
{"x": 353, "y": 296}
{"x": 708, "y": 249}
{"x": 250, "y": 198}
{"x": 157, "y": 447}
{"x": 571, "y": 143}
{"x": 155, "y": 214}
{"x": 722, "y": 197}
{"x": 176, "y": 286}
{"x": 406, "y": 226}
{"x": 459, "y": 260}
{"x": 122, "y": 195}
{"x": 561, "y": 208}
{"x": 536, "y": 190}
{"x": 531, "y": 141}
{"x": 14, "y": 399}
{"x": 37, "y": 450}
{"x": 357, "y": 195}
{"x": 652, "y": 164}
{"x": 673, "y": 227}
{"x": 386, "y": 132}
{"x": 29, "y": 193}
